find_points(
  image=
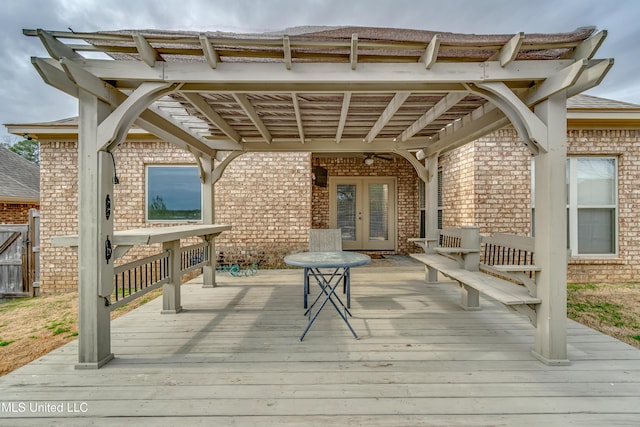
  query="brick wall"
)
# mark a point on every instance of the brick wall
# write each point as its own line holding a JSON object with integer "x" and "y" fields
{"x": 265, "y": 197}
{"x": 15, "y": 213}
{"x": 499, "y": 199}
{"x": 408, "y": 215}
{"x": 458, "y": 189}
{"x": 625, "y": 144}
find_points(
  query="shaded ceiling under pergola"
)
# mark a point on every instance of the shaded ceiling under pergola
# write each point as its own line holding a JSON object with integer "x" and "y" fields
{"x": 348, "y": 89}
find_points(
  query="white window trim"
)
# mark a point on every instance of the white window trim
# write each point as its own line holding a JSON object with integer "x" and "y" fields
{"x": 146, "y": 196}
{"x": 573, "y": 208}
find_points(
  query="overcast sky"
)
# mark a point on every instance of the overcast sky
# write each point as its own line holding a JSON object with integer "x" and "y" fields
{"x": 25, "y": 98}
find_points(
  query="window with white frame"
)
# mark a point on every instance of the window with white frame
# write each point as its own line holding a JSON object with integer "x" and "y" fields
{"x": 592, "y": 205}
{"x": 173, "y": 193}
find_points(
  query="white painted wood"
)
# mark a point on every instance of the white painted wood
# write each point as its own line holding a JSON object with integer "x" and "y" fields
{"x": 148, "y": 54}
{"x": 209, "y": 217}
{"x": 344, "y": 111}
{"x": 151, "y": 235}
{"x": 307, "y": 76}
{"x": 95, "y": 273}
{"x": 248, "y": 108}
{"x": 550, "y": 242}
{"x": 587, "y": 49}
{"x": 430, "y": 55}
{"x": 286, "y": 45}
{"x": 171, "y": 301}
{"x": 353, "y": 55}
{"x": 201, "y": 104}
{"x": 430, "y": 116}
{"x": 209, "y": 52}
{"x": 390, "y": 110}
{"x": 530, "y": 128}
{"x": 509, "y": 51}
{"x": 296, "y": 109}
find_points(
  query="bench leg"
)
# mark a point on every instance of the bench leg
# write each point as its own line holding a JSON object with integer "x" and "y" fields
{"x": 431, "y": 275}
{"x": 469, "y": 298}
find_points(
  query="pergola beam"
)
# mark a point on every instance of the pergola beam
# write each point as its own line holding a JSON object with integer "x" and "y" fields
{"x": 148, "y": 54}
{"x": 591, "y": 77}
{"x": 531, "y": 129}
{"x": 56, "y": 48}
{"x": 344, "y": 111}
{"x": 296, "y": 108}
{"x": 286, "y": 45}
{"x": 479, "y": 122}
{"x": 328, "y": 76}
{"x": 209, "y": 52}
{"x": 430, "y": 55}
{"x": 205, "y": 109}
{"x": 430, "y": 116}
{"x": 588, "y": 48}
{"x": 353, "y": 55}
{"x": 388, "y": 113}
{"x": 509, "y": 51}
{"x": 150, "y": 120}
{"x": 251, "y": 112}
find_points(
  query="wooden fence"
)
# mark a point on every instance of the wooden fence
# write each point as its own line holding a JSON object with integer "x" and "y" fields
{"x": 19, "y": 258}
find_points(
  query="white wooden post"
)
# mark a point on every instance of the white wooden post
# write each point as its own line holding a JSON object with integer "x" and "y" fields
{"x": 95, "y": 272}
{"x": 208, "y": 217}
{"x": 431, "y": 212}
{"x": 550, "y": 239}
{"x": 171, "y": 303}
{"x": 470, "y": 239}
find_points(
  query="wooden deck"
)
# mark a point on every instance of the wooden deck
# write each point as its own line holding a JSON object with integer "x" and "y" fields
{"x": 233, "y": 357}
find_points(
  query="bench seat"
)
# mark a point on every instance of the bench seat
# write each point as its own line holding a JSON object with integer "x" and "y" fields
{"x": 507, "y": 293}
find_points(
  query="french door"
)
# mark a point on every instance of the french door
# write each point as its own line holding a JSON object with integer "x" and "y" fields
{"x": 365, "y": 210}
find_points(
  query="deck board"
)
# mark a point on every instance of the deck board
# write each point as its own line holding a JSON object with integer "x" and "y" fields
{"x": 233, "y": 357}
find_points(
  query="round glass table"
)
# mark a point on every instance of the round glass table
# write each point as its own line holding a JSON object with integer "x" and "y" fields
{"x": 328, "y": 269}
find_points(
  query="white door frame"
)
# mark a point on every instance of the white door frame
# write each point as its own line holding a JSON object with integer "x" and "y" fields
{"x": 362, "y": 241}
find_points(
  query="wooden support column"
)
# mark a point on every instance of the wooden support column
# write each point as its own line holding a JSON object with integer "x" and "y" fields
{"x": 171, "y": 303}
{"x": 95, "y": 230}
{"x": 551, "y": 231}
{"x": 208, "y": 217}
{"x": 431, "y": 211}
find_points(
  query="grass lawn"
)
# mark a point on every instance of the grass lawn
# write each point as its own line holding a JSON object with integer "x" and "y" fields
{"x": 30, "y": 328}
{"x": 613, "y": 309}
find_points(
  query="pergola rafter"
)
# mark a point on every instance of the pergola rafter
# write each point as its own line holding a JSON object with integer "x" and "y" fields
{"x": 417, "y": 94}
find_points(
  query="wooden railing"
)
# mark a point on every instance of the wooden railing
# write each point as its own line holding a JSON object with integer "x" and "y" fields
{"x": 136, "y": 278}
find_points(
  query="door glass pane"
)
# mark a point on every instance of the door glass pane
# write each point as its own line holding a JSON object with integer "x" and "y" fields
{"x": 346, "y": 203}
{"x": 378, "y": 212}
{"x": 596, "y": 181}
{"x": 596, "y": 231}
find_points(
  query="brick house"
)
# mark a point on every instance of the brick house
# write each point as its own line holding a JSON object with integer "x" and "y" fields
{"x": 19, "y": 187}
{"x": 485, "y": 183}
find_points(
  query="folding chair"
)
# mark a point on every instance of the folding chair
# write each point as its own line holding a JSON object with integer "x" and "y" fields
{"x": 325, "y": 240}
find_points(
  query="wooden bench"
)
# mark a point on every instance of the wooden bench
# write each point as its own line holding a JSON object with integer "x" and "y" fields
{"x": 500, "y": 267}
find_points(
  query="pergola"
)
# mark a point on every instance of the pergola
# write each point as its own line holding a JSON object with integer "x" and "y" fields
{"x": 417, "y": 94}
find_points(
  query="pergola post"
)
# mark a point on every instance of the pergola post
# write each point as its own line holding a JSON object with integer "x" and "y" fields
{"x": 551, "y": 234}
{"x": 431, "y": 210}
{"x": 208, "y": 217}
{"x": 95, "y": 233}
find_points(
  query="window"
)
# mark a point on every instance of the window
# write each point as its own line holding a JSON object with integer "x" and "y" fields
{"x": 592, "y": 204}
{"x": 174, "y": 193}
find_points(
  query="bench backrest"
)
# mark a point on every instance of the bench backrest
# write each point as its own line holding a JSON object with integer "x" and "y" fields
{"x": 501, "y": 249}
{"x": 507, "y": 249}
{"x": 450, "y": 238}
